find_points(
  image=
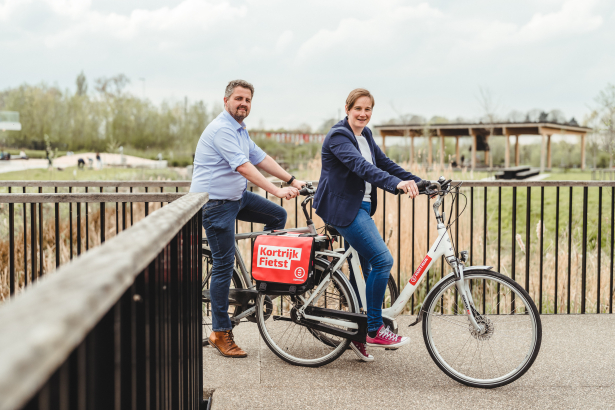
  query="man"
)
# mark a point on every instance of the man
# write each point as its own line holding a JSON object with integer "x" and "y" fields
{"x": 224, "y": 162}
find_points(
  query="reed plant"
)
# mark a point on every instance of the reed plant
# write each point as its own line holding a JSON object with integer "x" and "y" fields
{"x": 408, "y": 227}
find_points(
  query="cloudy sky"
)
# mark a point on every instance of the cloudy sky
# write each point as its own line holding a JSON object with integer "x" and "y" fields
{"x": 422, "y": 57}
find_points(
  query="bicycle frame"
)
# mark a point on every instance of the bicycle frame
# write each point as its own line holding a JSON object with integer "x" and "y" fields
{"x": 442, "y": 246}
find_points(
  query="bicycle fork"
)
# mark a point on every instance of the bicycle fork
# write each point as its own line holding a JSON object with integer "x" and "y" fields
{"x": 466, "y": 295}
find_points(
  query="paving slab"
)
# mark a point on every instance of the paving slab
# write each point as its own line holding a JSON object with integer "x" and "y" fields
{"x": 575, "y": 369}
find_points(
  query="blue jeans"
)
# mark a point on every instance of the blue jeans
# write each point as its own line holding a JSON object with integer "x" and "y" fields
{"x": 376, "y": 262}
{"x": 219, "y": 223}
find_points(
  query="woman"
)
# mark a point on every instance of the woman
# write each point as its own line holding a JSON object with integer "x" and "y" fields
{"x": 353, "y": 166}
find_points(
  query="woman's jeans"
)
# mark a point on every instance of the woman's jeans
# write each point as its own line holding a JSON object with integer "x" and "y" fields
{"x": 376, "y": 262}
{"x": 219, "y": 223}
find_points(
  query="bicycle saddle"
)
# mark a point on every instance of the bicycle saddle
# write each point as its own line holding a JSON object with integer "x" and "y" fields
{"x": 332, "y": 230}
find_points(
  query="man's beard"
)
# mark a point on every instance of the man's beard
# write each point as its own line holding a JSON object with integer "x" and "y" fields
{"x": 239, "y": 118}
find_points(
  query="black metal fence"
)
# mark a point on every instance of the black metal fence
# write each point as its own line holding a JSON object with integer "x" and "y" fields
{"x": 556, "y": 238}
{"x": 119, "y": 328}
{"x": 47, "y": 223}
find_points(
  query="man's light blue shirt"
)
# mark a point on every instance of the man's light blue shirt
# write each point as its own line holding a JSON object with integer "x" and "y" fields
{"x": 224, "y": 145}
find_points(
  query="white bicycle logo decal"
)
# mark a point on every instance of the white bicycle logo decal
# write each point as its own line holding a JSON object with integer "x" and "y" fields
{"x": 299, "y": 273}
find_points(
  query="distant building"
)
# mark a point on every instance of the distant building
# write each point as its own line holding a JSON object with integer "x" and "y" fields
{"x": 9, "y": 121}
{"x": 480, "y": 134}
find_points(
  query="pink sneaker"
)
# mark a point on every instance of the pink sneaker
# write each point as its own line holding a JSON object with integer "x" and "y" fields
{"x": 359, "y": 349}
{"x": 386, "y": 338}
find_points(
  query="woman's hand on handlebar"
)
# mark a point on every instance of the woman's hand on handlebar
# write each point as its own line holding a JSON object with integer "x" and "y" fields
{"x": 286, "y": 193}
{"x": 409, "y": 187}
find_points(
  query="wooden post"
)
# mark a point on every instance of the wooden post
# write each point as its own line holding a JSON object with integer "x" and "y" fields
{"x": 429, "y": 152}
{"x": 517, "y": 150}
{"x": 473, "y": 150}
{"x": 583, "y": 151}
{"x": 543, "y": 143}
{"x": 384, "y": 148}
{"x": 548, "y": 152}
{"x": 507, "y": 150}
{"x": 457, "y": 158}
{"x": 412, "y": 149}
{"x": 487, "y": 151}
{"x": 441, "y": 151}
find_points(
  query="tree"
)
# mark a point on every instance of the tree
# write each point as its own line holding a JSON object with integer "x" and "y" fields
{"x": 606, "y": 114}
{"x": 82, "y": 85}
{"x": 327, "y": 125}
{"x": 112, "y": 85}
{"x": 490, "y": 108}
{"x": 106, "y": 119}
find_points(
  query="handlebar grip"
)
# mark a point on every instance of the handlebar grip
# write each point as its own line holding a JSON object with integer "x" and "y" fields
{"x": 305, "y": 191}
{"x": 423, "y": 184}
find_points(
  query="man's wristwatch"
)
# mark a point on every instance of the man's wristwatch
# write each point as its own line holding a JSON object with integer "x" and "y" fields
{"x": 290, "y": 181}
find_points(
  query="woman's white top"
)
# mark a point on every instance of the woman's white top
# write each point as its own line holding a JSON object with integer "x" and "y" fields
{"x": 367, "y": 154}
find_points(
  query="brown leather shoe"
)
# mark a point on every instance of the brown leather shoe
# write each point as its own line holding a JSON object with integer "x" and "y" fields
{"x": 225, "y": 343}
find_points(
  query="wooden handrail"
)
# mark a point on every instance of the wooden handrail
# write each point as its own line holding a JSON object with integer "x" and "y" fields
{"x": 44, "y": 324}
{"x": 83, "y": 184}
{"x": 467, "y": 184}
{"x": 90, "y": 198}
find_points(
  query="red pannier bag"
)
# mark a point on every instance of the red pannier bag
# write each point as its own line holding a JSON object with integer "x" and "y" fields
{"x": 283, "y": 264}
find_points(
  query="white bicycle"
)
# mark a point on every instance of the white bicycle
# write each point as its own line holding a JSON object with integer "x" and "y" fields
{"x": 480, "y": 327}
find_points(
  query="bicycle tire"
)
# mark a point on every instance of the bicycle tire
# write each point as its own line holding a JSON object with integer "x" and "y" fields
{"x": 337, "y": 348}
{"x": 496, "y": 327}
{"x": 393, "y": 292}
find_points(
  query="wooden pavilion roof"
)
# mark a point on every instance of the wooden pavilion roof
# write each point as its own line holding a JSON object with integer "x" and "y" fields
{"x": 482, "y": 129}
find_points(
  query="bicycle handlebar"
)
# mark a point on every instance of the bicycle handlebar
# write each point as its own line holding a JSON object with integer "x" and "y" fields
{"x": 429, "y": 188}
{"x": 425, "y": 188}
{"x": 307, "y": 190}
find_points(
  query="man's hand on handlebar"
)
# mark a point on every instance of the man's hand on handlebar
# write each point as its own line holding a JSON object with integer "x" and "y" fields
{"x": 408, "y": 187}
{"x": 298, "y": 184}
{"x": 287, "y": 193}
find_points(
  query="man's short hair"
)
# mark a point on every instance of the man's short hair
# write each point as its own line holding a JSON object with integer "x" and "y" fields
{"x": 237, "y": 83}
{"x": 355, "y": 95}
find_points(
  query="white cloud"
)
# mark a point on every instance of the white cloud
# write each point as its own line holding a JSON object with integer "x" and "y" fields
{"x": 427, "y": 56}
{"x": 355, "y": 34}
{"x": 10, "y": 7}
{"x": 186, "y": 19}
{"x": 284, "y": 41}
{"x": 575, "y": 16}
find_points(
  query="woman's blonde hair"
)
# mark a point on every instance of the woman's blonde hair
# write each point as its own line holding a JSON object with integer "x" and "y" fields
{"x": 355, "y": 95}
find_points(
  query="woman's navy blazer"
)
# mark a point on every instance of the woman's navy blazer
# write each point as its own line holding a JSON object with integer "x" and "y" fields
{"x": 341, "y": 187}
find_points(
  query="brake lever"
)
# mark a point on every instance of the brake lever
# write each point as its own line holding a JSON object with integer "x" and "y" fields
{"x": 431, "y": 193}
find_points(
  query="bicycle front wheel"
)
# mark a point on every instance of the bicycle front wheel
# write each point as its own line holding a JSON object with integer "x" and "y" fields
{"x": 295, "y": 343}
{"x": 506, "y": 348}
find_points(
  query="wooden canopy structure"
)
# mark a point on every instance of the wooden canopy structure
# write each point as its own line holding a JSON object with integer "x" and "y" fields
{"x": 480, "y": 134}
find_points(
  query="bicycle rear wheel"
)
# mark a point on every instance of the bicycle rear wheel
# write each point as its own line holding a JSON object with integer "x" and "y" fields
{"x": 504, "y": 351}
{"x": 295, "y": 343}
{"x": 391, "y": 294}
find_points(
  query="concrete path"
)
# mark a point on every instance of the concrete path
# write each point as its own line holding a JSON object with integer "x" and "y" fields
{"x": 71, "y": 161}
{"x": 574, "y": 370}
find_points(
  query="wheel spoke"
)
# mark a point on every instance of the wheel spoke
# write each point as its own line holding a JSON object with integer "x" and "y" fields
{"x": 501, "y": 351}
{"x": 298, "y": 343}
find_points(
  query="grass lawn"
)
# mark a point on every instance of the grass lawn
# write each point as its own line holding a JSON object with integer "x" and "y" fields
{"x": 566, "y": 212}
{"x": 106, "y": 174}
{"x": 573, "y": 175}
